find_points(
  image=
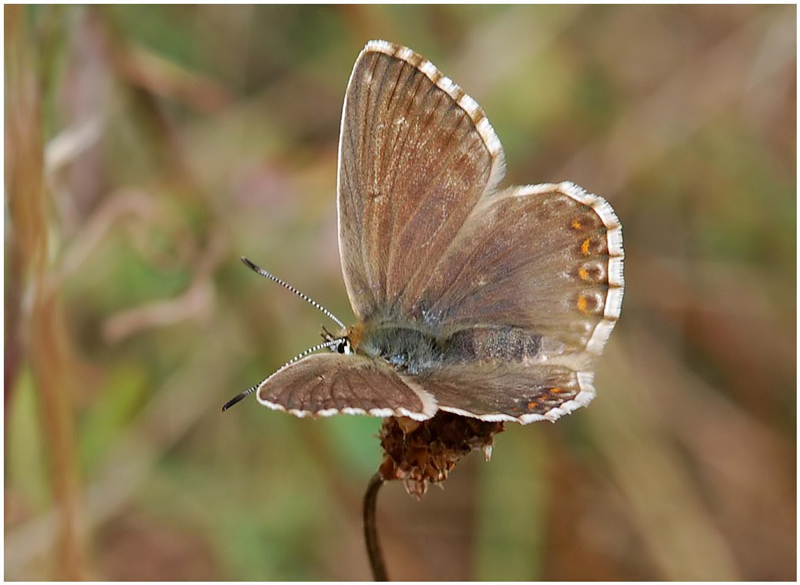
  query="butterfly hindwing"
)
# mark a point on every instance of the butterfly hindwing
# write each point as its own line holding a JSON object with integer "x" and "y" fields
{"x": 509, "y": 392}
{"x": 546, "y": 258}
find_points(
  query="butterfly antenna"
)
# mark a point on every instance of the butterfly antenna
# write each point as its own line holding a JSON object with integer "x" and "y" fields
{"x": 305, "y": 297}
{"x": 239, "y": 397}
{"x": 242, "y": 395}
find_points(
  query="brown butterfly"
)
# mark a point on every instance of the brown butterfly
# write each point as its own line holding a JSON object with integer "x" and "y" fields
{"x": 481, "y": 302}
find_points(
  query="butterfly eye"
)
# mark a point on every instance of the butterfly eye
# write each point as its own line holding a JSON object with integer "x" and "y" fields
{"x": 344, "y": 347}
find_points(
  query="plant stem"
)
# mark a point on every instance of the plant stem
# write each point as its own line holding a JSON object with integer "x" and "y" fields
{"x": 371, "y": 531}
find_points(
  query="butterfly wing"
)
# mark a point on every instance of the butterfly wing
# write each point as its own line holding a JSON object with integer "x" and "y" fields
{"x": 546, "y": 258}
{"x": 509, "y": 392}
{"x": 541, "y": 265}
{"x": 415, "y": 156}
{"x": 327, "y": 384}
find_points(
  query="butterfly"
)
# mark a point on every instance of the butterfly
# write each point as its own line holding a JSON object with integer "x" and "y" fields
{"x": 483, "y": 302}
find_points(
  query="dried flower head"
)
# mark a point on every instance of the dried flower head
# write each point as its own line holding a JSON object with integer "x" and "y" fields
{"x": 421, "y": 452}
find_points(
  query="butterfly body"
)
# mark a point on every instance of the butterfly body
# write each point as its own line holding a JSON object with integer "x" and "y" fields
{"x": 406, "y": 349}
{"x": 409, "y": 350}
{"x": 487, "y": 303}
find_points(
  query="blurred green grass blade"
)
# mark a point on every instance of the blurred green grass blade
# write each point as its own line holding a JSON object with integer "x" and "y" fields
{"x": 512, "y": 511}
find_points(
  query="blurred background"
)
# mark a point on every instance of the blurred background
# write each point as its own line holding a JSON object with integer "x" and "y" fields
{"x": 148, "y": 148}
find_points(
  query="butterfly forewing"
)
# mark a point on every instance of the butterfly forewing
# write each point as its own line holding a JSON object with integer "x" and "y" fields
{"x": 326, "y": 384}
{"x": 416, "y": 154}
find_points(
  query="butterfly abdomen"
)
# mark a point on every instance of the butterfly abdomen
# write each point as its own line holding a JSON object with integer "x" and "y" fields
{"x": 411, "y": 351}
{"x": 503, "y": 344}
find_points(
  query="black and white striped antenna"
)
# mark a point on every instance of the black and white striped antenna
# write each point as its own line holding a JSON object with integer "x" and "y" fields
{"x": 329, "y": 343}
{"x": 285, "y": 285}
{"x": 241, "y": 396}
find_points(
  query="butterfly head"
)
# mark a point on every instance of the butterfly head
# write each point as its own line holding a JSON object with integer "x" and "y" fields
{"x": 346, "y": 339}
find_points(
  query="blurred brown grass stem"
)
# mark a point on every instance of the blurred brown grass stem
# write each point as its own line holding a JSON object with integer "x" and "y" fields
{"x": 46, "y": 343}
{"x": 371, "y": 531}
{"x": 176, "y": 407}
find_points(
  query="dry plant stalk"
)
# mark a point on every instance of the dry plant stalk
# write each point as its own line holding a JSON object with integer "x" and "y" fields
{"x": 419, "y": 453}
